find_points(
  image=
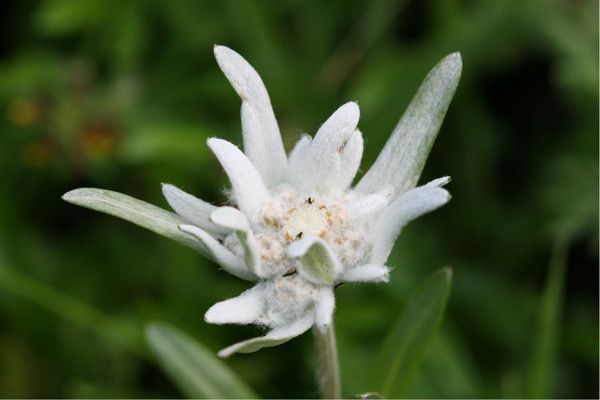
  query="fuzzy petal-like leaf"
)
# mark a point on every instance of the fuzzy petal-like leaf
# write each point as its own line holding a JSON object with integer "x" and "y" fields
{"x": 402, "y": 159}
{"x": 350, "y": 157}
{"x": 243, "y": 309}
{"x": 262, "y": 140}
{"x": 320, "y": 171}
{"x": 406, "y": 208}
{"x": 371, "y": 205}
{"x": 191, "y": 208}
{"x": 318, "y": 263}
{"x": 248, "y": 187}
{"x": 232, "y": 218}
{"x": 219, "y": 253}
{"x": 298, "y": 159}
{"x": 274, "y": 338}
{"x": 135, "y": 211}
{"x": 367, "y": 273}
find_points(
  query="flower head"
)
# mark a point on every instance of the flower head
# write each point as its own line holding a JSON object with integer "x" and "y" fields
{"x": 296, "y": 226}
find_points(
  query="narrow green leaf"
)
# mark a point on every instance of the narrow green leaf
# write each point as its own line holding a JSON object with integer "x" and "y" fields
{"x": 133, "y": 210}
{"x": 193, "y": 368}
{"x": 406, "y": 344}
{"x": 545, "y": 343}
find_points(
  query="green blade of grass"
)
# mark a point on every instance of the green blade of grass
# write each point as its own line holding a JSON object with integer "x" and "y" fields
{"x": 193, "y": 368}
{"x": 126, "y": 335}
{"x": 545, "y": 344}
{"x": 407, "y": 342}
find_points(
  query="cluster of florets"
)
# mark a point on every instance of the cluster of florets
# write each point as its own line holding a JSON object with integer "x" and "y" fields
{"x": 289, "y": 217}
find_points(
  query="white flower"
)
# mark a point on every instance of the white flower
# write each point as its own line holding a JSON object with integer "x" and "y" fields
{"x": 298, "y": 228}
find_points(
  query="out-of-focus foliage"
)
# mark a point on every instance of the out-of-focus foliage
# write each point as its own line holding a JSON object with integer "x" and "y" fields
{"x": 123, "y": 94}
{"x": 194, "y": 368}
{"x": 409, "y": 339}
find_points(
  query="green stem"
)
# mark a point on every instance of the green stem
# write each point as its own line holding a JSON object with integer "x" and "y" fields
{"x": 329, "y": 367}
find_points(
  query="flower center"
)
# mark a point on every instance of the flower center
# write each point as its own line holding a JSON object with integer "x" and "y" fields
{"x": 311, "y": 218}
{"x": 289, "y": 217}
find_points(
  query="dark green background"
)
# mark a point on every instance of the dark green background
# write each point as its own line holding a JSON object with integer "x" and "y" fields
{"x": 122, "y": 94}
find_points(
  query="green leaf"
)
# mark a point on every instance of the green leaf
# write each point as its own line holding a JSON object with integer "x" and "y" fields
{"x": 193, "y": 368}
{"x": 545, "y": 343}
{"x": 406, "y": 344}
{"x": 133, "y": 210}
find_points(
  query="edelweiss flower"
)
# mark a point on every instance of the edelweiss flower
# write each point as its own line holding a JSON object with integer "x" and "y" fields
{"x": 296, "y": 226}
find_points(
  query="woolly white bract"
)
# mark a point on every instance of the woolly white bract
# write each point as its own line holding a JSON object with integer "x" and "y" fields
{"x": 296, "y": 226}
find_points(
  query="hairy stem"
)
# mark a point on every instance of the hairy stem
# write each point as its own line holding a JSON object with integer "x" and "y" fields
{"x": 329, "y": 367}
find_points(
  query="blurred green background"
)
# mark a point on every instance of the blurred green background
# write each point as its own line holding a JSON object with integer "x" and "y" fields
{"x": 122, "y": 94}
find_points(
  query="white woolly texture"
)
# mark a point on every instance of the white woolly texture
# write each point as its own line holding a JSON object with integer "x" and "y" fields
{"x": 323, "y": 160}
{"x": 232, "y": 218}
{"x": 350, "y": 155}
{"x": 370, "y": 206}
{"x": 191, "y": 208}
{"x": 248, "y": 187}
{"x": 243, "y": 309}
{"x": 443, "y": 181}
{"x": 367, "y": 273}
{"x": 221, "y": 255}
{"x": 409, "y": 206}
{"x": 288, "y": 298}
{"x": 275, "y": 337}
{"x": 262, "y": 141}
{"x": 289, "y": 217}
{"x": 324, "y": 307}
{"x": 297, "y": 160}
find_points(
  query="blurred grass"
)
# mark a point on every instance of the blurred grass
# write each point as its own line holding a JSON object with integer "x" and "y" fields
{"x": 197, "y": 371}
{"x": 122, "y": 95}
{"x": 407, "y": 342}
{"x": 545, "y": 341}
